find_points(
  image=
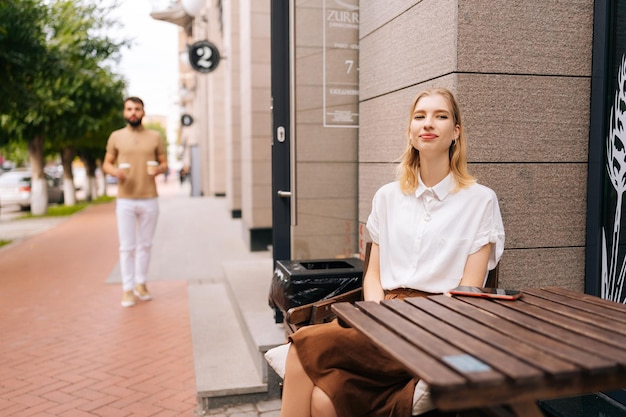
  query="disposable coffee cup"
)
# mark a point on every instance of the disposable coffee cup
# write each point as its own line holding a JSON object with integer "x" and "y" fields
{"x": 152, "y": 166}
{"x": 124, "y": 167}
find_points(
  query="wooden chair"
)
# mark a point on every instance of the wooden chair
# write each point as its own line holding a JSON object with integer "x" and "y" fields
{"x": 320, "y": 311}
{"x": 493, "y": 277}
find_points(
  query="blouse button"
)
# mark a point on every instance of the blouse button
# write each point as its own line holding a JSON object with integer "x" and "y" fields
{"x": 427, "y": 217}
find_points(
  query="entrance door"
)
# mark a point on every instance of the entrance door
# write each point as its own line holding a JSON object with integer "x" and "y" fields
{"x": 281, "y": 140}
{"x": 315, "y": 110}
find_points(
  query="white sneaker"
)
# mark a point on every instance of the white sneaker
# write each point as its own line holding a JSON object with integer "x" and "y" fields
{"x": 141, "y": 291}
{"x": 128, "y": 299}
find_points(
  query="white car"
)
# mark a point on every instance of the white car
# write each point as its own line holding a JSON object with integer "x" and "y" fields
{"x": 15, "y": 189}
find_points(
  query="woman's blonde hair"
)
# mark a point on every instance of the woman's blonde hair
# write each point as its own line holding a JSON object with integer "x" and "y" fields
{"x": 407, "y": 170}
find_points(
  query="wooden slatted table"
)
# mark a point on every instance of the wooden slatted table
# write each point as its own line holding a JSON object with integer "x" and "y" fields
{"x": 476, "y": 352}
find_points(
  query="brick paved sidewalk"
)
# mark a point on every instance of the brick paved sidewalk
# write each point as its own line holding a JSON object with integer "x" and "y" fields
{"x": 67, "y": 348}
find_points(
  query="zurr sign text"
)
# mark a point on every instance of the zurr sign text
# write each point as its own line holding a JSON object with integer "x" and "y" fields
{"x": 342, "y": 16}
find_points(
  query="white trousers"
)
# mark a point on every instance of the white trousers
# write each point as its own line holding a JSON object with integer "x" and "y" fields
{"x": 136, "y": 223}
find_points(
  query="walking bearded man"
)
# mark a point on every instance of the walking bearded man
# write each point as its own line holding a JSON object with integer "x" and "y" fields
{"x": 135, "y": 156}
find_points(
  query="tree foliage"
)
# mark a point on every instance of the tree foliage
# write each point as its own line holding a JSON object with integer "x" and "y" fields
{"x": 61, "y": 92}
{"x": 22, "y": 50}
{"x": 159, "y": 128}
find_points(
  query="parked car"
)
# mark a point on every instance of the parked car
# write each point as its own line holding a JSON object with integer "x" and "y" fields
{"x": 15, "y": 189}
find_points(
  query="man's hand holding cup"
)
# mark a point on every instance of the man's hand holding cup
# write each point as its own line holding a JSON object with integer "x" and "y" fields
{"x": 122, "y": 171}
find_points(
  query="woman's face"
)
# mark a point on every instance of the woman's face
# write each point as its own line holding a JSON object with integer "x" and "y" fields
{"x": 432, "y": 127}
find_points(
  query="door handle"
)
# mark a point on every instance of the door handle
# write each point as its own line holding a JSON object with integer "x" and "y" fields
{"x": 284, "y": 194}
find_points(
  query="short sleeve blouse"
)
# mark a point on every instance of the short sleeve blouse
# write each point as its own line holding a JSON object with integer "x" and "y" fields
{"x": 426, "y": 237}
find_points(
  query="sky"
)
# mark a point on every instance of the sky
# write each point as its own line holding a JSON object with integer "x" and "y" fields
{"x": 150, "y": 65}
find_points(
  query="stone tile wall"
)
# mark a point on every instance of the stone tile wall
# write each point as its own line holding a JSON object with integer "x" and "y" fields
{"x": 521, "y": 71}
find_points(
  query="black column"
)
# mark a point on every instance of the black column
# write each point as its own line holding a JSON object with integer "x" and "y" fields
{"x": 600, "y": 79}
{"x": 281, "y": 180}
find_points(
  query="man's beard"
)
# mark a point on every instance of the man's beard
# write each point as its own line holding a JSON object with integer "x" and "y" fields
{"x": 133, "y": 123}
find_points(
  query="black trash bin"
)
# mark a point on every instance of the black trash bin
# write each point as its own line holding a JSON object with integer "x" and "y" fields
{"x": 299, "y": 282}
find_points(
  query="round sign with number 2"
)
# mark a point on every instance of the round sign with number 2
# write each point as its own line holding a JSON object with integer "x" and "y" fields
{"x": 204, "y": 56}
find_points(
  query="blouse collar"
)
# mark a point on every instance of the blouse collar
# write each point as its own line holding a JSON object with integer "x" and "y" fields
{"x": 441, "y": 190}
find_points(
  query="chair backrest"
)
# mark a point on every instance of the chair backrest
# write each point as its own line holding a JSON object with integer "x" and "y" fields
{"x": 366, "y": 259}
{"x": 493, "y": 277}
{"x": 320, "y": 311}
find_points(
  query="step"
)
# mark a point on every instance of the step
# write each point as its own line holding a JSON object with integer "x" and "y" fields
{"x": 225, "y": 371}
{"x": 249, "y": 285}
{"x": 221, "y": 359}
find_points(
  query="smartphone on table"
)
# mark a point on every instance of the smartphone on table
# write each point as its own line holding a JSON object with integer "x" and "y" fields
{"x": 498, "y": 293}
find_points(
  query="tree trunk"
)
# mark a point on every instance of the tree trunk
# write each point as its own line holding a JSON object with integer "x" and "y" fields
{"x": 91, "y": 187}
{"x": 38, "y": 186}
{"x": 102, "y": 179}
{"x": 69, "y": 189}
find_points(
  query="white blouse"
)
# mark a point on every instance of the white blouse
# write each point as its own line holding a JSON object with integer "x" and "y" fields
{"x": 425, "y": 238}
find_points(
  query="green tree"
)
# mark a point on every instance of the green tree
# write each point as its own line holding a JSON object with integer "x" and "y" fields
{"x": 22, "y": 47}
{"x": 15, "y": 152}
{"x": 92, "y": 148}
{"x": 75, "y": 53}
{"x": 159, "y": 128}
{"x": 83, "y": 131}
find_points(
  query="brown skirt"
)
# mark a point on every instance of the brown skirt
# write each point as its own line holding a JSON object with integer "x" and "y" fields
{"x": 359, "y": 378}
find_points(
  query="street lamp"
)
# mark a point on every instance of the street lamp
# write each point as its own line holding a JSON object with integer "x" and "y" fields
{"x": 192, "y": 7}
{"x": 172, "y": 12}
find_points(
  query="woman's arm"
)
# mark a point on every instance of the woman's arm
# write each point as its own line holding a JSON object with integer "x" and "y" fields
{"x": 476, "y": 267}
{"x": 372, "y": 290}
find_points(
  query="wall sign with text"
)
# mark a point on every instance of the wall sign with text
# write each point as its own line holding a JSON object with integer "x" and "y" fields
{"x": 204, "y": 56}
{"x": 186, "y": 120}
{"x": 341, "y": 63}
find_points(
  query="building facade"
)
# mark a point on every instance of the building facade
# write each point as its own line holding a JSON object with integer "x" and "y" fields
{"x": 522, "y": 75}
{"x": 305, "y": 115}
{"x": 522, "y": 72}
{"x": 227, "y": 144}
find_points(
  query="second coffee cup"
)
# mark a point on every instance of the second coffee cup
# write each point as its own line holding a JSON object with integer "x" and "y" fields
{"x": 152, "y": 167}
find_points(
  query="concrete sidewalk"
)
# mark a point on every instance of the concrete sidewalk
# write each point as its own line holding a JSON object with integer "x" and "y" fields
{"x": 194, "y": 237}
{"x": 69, "y": 349}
